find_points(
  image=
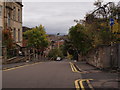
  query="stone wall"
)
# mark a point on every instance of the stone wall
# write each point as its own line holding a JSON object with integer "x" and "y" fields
{"x": 105, "y": 56}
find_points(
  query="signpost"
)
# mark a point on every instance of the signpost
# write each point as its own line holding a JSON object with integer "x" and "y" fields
{"x": 111, "y": 21}
{"x": 111, "y": 50}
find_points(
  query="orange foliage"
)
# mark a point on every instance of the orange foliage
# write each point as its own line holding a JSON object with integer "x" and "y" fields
{"x": 7, "y": 39}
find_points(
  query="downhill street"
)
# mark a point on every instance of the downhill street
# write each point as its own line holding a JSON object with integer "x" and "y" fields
{"x": 58, "y": 74}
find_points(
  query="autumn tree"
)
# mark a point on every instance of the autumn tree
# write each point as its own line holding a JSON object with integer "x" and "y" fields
{"x": 7, "y": 39}
{"x": 37, "y": 39}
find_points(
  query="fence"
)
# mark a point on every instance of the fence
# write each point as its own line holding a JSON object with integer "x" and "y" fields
{"x": 12, "y": 56}
{"x": 18, "y": 59}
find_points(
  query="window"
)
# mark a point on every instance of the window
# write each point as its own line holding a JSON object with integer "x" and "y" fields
{"x": 1, "y": 28}
{"x": 14, "y": 13}
{"x": 8, "y": 18}
{"x": 0, "y": 35}
{"x": 18, "y": 35}
{"x": 19, "y": 15}
{"x": 0, "y": 10}
{"x": 14, "y": 34}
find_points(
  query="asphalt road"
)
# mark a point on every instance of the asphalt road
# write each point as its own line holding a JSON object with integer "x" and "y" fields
{"x": 53, "y": 74}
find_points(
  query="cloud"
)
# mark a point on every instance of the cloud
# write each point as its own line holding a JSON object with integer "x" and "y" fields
{"x": 67, "y": 0}
{"x": 56, "y": 17}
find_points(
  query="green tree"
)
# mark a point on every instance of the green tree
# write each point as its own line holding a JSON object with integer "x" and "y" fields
{"x": 80, "y": 40}
{"x": 37, "y": 38}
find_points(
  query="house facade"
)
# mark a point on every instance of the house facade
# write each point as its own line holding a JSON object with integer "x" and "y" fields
{"x": 1, "y": 27}
{"x": 13, "y": 20}
{"x": 1, "y": 16}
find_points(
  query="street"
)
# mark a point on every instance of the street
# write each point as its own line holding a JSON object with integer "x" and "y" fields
{"x": 60, "y": 45}
{"x": 42, "y": 75}
{"x": 57, "y": 74}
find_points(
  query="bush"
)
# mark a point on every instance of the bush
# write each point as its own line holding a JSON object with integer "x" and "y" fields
{"x": 54, "y": 53}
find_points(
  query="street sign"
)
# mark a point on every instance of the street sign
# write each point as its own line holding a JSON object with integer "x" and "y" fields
{"x": 111, "y": 22}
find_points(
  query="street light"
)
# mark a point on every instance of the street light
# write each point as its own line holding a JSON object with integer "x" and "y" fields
{"x": 58, "y": 40}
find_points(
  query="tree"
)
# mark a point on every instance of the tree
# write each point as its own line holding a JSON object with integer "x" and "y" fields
{"x": 37, "y": 38}
{"x": 98, "y": 3}
{"x": 7, "y": 39}
{"x": 79, "y": 39}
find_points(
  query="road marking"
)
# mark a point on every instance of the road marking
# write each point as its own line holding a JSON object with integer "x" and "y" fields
{"x": 78, "y": 70}
{"x": 20, "y": 66}
{"x": 79, "y": 84}
{"x": 89, "y": 84}
{"x": 71, "y": 67}
{"x": 74, "y": 69}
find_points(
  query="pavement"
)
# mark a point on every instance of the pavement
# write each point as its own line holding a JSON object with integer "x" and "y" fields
{"x": 101, "y": 79}
{"x": 64, "y": 74}
{"x": 7, "y": 66}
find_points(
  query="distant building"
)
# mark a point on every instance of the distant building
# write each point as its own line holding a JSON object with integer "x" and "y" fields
{"x": 24, "y": 28}
{"x": 12, "y": 20}
{"x": 56, "y": 41}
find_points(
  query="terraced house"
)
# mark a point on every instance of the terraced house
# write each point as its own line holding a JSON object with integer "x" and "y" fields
{"x": 12, "y": 20}
{"x": 1, "y": 16}
{"x": 1, "y": 27}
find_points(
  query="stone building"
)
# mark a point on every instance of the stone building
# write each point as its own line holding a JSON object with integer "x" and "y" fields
{"x": 13, "y": 20}
{"x": 1, "y": 16}
{"x": 1, "y": 26}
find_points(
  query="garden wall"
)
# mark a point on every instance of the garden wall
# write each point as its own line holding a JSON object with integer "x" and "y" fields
{"x": 105, "y": 56}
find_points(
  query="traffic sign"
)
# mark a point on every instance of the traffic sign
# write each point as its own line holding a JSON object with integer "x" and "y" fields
{"x": 111, "y": 21}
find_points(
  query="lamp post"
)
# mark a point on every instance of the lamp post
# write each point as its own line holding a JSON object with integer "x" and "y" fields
{"x": 58, "y": 40}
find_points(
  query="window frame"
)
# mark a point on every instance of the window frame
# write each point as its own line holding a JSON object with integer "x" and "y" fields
{"x": 19, "y": 35}
{"x": 1, "y": 7}
{"x": 19, "y": 16}
{"x": 14, "y": 34}
{"x": 14, "y": 13}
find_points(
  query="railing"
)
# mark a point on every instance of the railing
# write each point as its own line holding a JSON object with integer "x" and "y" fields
{"x": 18, "y": 59}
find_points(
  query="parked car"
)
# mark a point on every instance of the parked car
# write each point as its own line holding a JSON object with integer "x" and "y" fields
{"x": 58, "y": 59}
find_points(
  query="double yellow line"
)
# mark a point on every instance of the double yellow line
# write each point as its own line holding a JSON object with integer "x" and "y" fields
{"x": 78, "y": 70}
{"x": 79, "y": 84}
{"x": 74, "y": 69}
{"x": 16, "y": 67}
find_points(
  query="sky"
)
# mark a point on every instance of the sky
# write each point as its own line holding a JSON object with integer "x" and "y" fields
{"x": 56, "y": 17}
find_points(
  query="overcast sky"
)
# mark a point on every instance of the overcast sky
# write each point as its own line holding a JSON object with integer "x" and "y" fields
{"x": 55, "y": 16}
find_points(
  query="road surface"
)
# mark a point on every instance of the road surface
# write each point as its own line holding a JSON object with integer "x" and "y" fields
{"x": 59, "y": 74}
{"x": 55, "y": 74}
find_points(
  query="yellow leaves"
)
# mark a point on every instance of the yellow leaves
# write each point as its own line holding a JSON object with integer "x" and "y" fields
{"x": 116, "y": 27}
{"x": 103, "y": 24}
{"x": 69, "y": 56}
{"x": 7, "y": 39}
{"x": 37, "y": 37}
